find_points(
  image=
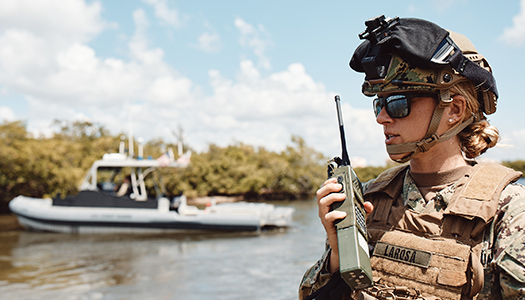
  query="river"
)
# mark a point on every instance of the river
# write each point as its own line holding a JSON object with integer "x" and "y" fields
{"x": 267, "y": 265}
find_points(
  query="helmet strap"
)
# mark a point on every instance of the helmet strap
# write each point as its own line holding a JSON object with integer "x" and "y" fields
{"x": 431, "y": 137}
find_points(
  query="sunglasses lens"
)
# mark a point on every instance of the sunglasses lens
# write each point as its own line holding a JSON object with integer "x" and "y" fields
{"x": 397, "y": 106}
{"x": 377, "y": 106}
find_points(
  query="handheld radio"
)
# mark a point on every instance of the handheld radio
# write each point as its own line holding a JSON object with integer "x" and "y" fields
{"x": 354, "y": 257}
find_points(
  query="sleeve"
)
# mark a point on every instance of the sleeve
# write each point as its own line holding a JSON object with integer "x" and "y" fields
{"x": 510, "y": 243}
{"x": 317, "y": 276}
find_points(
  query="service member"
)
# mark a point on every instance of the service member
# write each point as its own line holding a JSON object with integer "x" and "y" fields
{"x": 442, "y": 226}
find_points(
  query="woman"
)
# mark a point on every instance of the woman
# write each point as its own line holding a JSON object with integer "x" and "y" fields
{"x": 464, "y": 220}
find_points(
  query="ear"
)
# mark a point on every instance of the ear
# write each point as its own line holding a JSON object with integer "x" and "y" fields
{"x": 455, "y": 111}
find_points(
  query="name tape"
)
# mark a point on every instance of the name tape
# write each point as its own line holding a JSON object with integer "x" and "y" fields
{"x": 402, "y": 254}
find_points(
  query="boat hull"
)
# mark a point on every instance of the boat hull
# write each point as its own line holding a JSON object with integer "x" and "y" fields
{"x": 42, "y": 215}
{"x": 67, "y": 226}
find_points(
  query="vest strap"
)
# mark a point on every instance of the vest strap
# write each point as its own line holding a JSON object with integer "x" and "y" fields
{"x": 478, "y": 192}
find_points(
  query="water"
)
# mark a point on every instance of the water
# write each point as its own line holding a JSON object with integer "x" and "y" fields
{"x": 268, "y": 265}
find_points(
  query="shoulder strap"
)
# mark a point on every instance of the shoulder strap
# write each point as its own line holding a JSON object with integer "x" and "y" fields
{"x": 382, "y": 192}
{"x": 478, "y": 191}
{"x": 384, "y": 179}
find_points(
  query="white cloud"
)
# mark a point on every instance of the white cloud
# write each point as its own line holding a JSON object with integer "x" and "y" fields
{"x": 32, "y": 32}
{"x": 287, "y": 93}
{"x": 209, "y": 42}
{"x": 164, "y": 13}
{"x": 62, "y": 76}
{"x": 168, "y": 89}
{"x": 515, "y": 35}
{"x": 257, "y": 39}
{"x": 6, "y": 114}
{"x": 46, "y": 18}
{"x": 266, "y": 111}
{"x": 69, "y": 80}
{"x": 71, "y": 73}
{"x": 139, "y": 43}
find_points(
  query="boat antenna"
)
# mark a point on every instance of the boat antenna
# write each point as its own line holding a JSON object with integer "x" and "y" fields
{"x": 122, "y": 145}
{"x": 130, "y": 137}
{"x": 180, "y": 136}
{"x": 140, "y": 140}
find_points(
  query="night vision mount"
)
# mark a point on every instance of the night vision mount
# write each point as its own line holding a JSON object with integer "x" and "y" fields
{"x": 378, "y": 28}
{"x": 377, "y": 31}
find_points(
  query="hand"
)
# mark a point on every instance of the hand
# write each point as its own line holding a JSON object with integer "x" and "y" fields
{"x": 327, "y": 195}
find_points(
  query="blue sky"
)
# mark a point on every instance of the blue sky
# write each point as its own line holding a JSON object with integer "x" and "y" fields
{"x": 255, "y": 72}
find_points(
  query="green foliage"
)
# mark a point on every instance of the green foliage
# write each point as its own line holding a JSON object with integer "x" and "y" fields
{"x": 41, "y": 167}
{"x": 45, "y": 166}
{"x": 253, "y": 173}
{"x": 80, "y": 130}
{"x": 367, "y": 173}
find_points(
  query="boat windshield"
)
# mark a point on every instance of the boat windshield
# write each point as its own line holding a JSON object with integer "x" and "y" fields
{"x": 136, "y": 183}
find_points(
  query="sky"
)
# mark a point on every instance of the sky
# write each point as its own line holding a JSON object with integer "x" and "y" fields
{"x": 227, "y": 72}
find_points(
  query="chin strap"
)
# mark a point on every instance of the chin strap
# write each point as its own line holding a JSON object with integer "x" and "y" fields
{"x": 431, "y": 137}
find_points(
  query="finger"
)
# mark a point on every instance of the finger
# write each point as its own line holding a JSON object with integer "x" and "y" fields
{"x": 335, "y": 215}
{"x": 329, "y": 180}
{"x": 328, "y": 188}
{"x": 331, "y": 198}
{"x": 326, "y": 202}
{"x": 369, "y": 207}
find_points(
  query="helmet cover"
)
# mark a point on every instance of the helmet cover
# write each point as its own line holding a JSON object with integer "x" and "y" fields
{"x": 408, "y": 54}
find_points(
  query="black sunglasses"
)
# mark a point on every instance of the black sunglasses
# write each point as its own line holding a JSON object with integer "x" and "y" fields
{"x": 397, "y": 106}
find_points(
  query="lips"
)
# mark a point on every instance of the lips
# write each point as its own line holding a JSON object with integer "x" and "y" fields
{"x": 390, "y": 138}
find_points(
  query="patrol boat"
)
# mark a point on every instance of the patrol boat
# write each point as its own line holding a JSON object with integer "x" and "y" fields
{"x": 97, "y": 208}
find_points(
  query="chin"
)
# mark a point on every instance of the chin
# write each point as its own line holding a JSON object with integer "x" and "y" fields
{"x": 396, "y": 157}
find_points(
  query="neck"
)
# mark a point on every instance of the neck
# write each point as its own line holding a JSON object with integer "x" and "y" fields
{"x": 442, "y": 157}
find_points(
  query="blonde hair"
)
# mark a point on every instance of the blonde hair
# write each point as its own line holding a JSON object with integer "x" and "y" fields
{"x": 479, "y": 136}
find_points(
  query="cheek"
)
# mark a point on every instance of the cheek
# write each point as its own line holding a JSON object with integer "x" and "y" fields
{"x": 421, "y": 118}
{"x": 415, "y": 131}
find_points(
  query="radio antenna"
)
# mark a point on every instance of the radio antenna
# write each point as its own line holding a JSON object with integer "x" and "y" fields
{"x": 345, "y": 160}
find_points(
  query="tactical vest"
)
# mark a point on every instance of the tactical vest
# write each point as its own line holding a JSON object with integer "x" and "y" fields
{"x": 436, "y": 253}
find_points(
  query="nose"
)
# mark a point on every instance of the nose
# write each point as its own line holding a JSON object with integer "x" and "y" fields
{"x": 383, "y": 117}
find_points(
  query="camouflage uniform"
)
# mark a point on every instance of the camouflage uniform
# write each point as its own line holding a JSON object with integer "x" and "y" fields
{"x": 503, "y": 246}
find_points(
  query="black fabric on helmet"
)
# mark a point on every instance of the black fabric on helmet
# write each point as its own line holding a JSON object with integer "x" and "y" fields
{"x": 416, "y": 41}
{"x": 359, "y": 53}
{"x": 476, "y": 74}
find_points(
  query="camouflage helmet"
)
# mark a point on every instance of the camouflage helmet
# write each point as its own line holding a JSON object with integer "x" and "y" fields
{"x": 402, "y": 76}
{"x": 413, "y": 55}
